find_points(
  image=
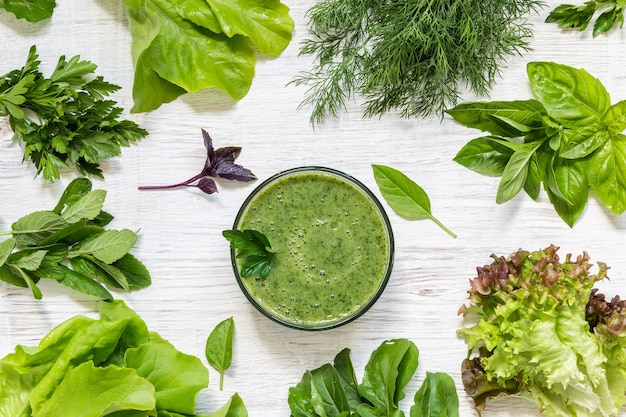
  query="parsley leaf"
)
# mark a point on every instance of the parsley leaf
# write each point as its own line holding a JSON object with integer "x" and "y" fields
{"x": 64, "y": 120}
{"x": 568, "y": 16}
{"x": 255, "y": 248}
{"x": 219, "y": 163}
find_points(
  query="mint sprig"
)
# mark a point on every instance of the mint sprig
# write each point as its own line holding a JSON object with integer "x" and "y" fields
{"x": 255, "y": 248}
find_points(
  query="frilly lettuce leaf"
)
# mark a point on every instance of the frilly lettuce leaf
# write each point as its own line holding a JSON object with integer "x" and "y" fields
{"x": 534, "y": 337}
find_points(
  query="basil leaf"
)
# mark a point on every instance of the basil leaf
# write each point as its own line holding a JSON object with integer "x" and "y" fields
{"x": 479, "y": 115}
{"x": 87, "y": 207}
{"x": 219, "y": 347}
{"x": 571, "y": 96}
{"x": 514, "y": 175}
{"x": 437, "y": 397}
{"x": 568, "y": 188}
{"x": 582, "y": 141}
{"x": 615, "y": 118}
{"x": 532, "y": 185}
{"x": 404, "y": 196}
{"x": 389, "y": 370}
{"x": 108, "y": 246}
{"x": 486, "y": 155}
{"x": 606, "y": 171}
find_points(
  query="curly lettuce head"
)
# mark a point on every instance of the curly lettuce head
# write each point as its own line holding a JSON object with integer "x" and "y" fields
{"x": 544, "y": 333}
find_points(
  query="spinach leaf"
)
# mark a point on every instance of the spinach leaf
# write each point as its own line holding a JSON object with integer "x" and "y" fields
{"x": 436, "y": 397}
{"x": 219, "y": 347}
{"x": 404, "y": 196}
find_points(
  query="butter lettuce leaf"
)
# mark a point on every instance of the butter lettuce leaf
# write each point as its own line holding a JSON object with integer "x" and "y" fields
{"x": 90, "y": 391}
{"x": 100, "y": 367}
{"x": 182, "y": 47}
{"x": 537, "y": 338}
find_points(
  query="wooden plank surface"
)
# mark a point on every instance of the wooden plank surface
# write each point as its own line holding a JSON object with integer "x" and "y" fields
{"x": 180, "y": 231}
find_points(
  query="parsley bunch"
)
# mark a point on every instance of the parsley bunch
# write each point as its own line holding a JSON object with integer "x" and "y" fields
{"x": 611, "y": 14}
{"x": 64, "y": 120}
{"x": 414, "y": 56}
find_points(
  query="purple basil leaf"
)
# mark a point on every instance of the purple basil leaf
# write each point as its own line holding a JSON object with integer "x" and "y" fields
{"x": 207, "y": 185}
{"x": 226, "y": 154}
{"x": 236, "y": 172}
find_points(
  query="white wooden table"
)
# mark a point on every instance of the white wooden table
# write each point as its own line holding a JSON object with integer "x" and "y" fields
{"x": 180, "y": 231}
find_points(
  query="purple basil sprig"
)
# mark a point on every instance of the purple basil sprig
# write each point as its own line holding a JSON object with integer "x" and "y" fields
{"x": 219, "y": 163}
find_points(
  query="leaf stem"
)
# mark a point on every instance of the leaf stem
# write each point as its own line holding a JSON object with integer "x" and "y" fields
{"x": 445, "y": 229}
{"x": 180, "y": 184}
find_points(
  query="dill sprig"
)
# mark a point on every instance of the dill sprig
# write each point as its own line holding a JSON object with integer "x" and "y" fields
{"x": 411, "y": 56}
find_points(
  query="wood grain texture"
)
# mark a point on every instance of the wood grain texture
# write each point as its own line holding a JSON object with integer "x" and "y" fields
{"x": 180, "y": 231}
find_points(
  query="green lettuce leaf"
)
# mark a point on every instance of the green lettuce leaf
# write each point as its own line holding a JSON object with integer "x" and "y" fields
{"x": 533, "y": 336}
{"x": 90, "y": 391}
{"x": 183, "y": 47}
{"x": 177, "y": 377}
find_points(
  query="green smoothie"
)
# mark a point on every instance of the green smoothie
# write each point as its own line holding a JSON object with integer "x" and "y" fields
{"x": 333, "y": 242}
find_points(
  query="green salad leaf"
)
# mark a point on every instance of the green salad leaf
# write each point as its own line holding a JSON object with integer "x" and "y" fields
{"x": 544, "y": 333}
{"x": 568, "y": 140}
{"x": 70, "y": 244}
{"x": 219, "y": 347}
{"x": 333, "y": 389}
{"x": 181, "y": 47}
{"x": 31, "y": 10}
{"x": 108, "y": 366}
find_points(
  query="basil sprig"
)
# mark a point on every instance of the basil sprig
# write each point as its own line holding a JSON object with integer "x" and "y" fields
{"x": 569, "y": 139}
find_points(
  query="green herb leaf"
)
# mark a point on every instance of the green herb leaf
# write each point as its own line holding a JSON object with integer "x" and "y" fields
{"x": 44, "y": 243}
{"x": 368, "y": 49}
{"x": 571, "y": 96}
{"x": 219, "y": 347}
{"x": 108, "y": 246}
{"x": 31, "y": 10}
{"x": 255, "y": 248}
{"x": 578, "y": 17}
{"x": 404, "y": 196}
{"x": 436, "y": 397}
{"x": 578, "y": 145}
{"x": 487, "y": 155}
{"x": 70, "y": 123}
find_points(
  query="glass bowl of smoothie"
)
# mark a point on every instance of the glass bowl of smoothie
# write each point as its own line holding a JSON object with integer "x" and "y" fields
{"x": 334, "y": 248}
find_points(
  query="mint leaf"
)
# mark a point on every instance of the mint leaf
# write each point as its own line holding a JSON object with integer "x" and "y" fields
{"x": 108, "y": 246}
{"x": 404, "y": 196}
{"x": 87, "y": 207}
{"x": 254, "y": 248}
